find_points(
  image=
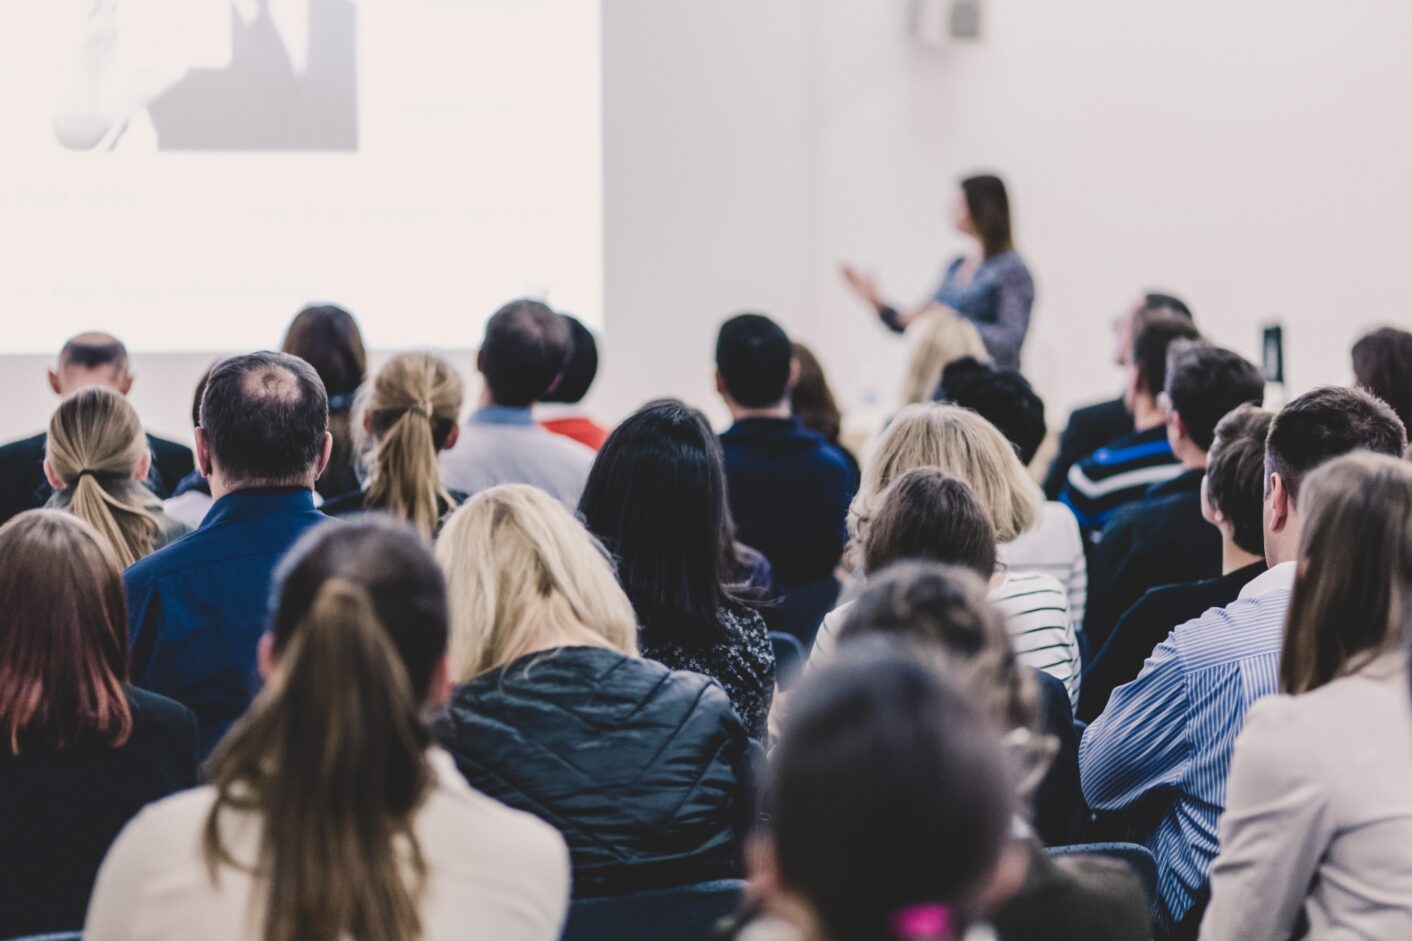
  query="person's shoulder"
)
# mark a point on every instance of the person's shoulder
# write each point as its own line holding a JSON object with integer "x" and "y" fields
{"x": 166, "y": 450}
{"x": 23, "y": 448}
{"x": 1025, "y": 584}
{"x": 1243, "y": 629}
{"x": 459, "y": 808}
{"x": 171, "y": 823}
{"x": 166, "y": 720}
{"x": 345, "y": 504}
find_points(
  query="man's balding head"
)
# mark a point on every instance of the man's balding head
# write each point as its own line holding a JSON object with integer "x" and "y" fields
{"x": 91, "y": 359}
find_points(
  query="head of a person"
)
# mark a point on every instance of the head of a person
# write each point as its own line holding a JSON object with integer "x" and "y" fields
{"x": 1153, "y": 336}
{"x": 1382, "y": 364}
{"x": 264, "y": 423}
{"x": 926, "y": 514}
{"x": 755, "y": 363}
{"x": 965, "y": 446}
{"x": 1204, "y": 384}
{"x": 656, "y": 498}
{"x": 523, "y": 353}
{"x": 1150, "y": 304}
{"x": 410, "y": 411}
{"x": 580, "y": 365}
{"x": 1312, "y": 430}
{"x": 811, "y": 399}
{"x": 937, "y": 341}
{"x": 1002, "y": 397}
{"x": 332, "y": 755}
{"x": 525, "y": 576}
{"x": 982, "y": 211}
{"x": 64, "y": 644}
{"x": 95, "y": 457}
{"x": 327, "y": 338}
{"x": 889, "y": 802}
{"x": 1233, "y": 490}
{"x": 1353, "y": 590}
{"x": 91, "y": 359}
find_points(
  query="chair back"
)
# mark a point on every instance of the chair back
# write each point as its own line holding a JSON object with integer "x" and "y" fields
{"x": 1138, "y": 858}
{"x": 789, "y": 658}
{"x": 687, "y": 913}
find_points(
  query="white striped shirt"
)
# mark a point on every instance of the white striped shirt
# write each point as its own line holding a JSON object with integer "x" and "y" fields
{"x": 1053, "y": 547}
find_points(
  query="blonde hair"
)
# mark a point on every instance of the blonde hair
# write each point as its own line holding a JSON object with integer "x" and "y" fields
{"x": 96, "y": 446}
{"x": 413, "y": 403}
{"x": 521, "y": 568}
{"x": 937, "y": 339}
{"x": 962, "y": 444}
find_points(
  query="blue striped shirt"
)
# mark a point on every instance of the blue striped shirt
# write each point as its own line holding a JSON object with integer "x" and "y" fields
{"x": 1174, "y": 727}
{"x": 1117, "y": 474}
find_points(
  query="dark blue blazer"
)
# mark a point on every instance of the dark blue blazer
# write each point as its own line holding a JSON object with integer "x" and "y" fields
{"x": 198, "y": 607}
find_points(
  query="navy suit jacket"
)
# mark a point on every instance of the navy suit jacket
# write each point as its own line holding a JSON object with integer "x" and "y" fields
{"x": 197, "y": 608}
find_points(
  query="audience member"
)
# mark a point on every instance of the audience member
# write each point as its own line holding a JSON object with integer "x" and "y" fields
{"x": 1168, "y": 734}
{"x": 327, "y": 338}
{"x": 1382, "y": 364}
{"x": 1232, "y": 500}
{"x": 410, "y": 413}
{"x": 1051, "y": 545}
{"x": 789, "y": 488}
{"x": 813, "y": 403}
{"x": 197, "y": 607}
{"x": 656, "y": 498}
{"x": 1316, "y": 839}
{"x": 936, "y": 342}
{"x": 191, "y": 500}
{"x": 81, "y": 751}
{"x": 561, "y": 409}
{"x": 89, "y": 359}
{"x": 520, "y": 359}
{"x": 97, "y": 462}
{"x": 1091, "y": 427}
{"x": 1164, "y": 539}
{"x": 1123, "y": 470}
{"x": 363, "y": 830}
{"x": 639, "y": 766}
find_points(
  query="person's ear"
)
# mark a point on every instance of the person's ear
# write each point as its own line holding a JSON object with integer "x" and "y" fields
{"x": 265, "y": 659}
{"x": 480, "y": 362}
{"x": 794, "y": 370}
{"x": 1280, "y": 504}
{"x": 56, "y": 483}
{"x": 721, "y": 386}
{"x": 203, "y": 453}
{"x": 123, "y": 382}
{"x": 144, "y": 467}
{"x": 439, "y": 693}
{"x": 452, "y": 437}
{"x": 325, "y": 455}
{"x": 56, "y": 383}
{"x": 368, "y": 421}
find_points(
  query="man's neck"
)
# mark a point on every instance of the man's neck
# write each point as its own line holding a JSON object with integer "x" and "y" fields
{"x": 220, "y": 487}
{"x": 1234, "y": 558}
{"x": 1147, "y": 415}
{"x": 739, "y": 413}
{"x": 1192, "y": 457}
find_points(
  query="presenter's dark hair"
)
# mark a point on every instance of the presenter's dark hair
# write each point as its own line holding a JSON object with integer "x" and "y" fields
{"x": 1235, "y": 474}
{"x": 1152, "y": 341}
{"x": 989, "y": 206}
{"x": 1327, "y": 423}
{"x": 580, "y": 366}
{"x": 327, "y": 337}
{"x": 1382, "y": 364}
{"x": 656, "y": 498}
{"x": 754, "y": 357}
{"x": 1002, "y": 397}
{"x": 264, "y": 416}
{"x": 523, "y": 352}
{"x": 1205, "y": 383}
{"x": 928, "y": 515}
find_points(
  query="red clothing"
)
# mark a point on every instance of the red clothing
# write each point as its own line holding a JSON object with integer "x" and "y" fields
{"x": 582, "y": 429}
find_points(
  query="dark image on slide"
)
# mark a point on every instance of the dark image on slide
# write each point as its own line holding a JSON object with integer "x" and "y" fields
{"x": 212, "y": 75}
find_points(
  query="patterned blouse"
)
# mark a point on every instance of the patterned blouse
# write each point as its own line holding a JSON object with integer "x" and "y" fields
{"x": 743, "y": 663}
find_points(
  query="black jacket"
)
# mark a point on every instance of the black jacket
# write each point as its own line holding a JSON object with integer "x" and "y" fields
{"x": 1060, "y": 815}
{"x": 24, "y": 487}
{"x": 641, "y": 768}
{"x": 1089, "y": 429}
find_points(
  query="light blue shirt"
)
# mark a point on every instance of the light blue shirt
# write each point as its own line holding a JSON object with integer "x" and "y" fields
{"x": 1173, "y": 730}
{"x": 502, "y": 445}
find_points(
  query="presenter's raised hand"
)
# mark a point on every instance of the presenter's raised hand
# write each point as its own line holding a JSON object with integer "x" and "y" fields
{"x": 863, "y": 285}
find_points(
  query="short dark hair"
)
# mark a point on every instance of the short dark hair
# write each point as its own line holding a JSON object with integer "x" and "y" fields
{"x": 1382, "y": 364}
{"x": 264, "y": 416}
{"x": 1205, "y": 382}
{"x": 1156, "y": 302}
{"x": 754, "y": 357}
{"x": 1152, "y": 338}
{"x": 988, "y": 204}
{"x": 86, "y": 355}
{"x": 327, "y": 337}
{"x": 929, "y": 515}
{"x": 580, "y": 365}
{"x": 1324, "y": 424}
{"x": 1002, "y": 397}
{"x": 523, "y": 352}
{"x": 1235, "y": 474}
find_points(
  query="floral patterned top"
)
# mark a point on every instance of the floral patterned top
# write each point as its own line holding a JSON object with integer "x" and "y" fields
{"x": 743, "y": 663}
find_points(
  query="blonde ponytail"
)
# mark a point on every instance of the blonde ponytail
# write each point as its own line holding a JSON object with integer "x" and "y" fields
{"x": 96, "y": 445}
{"x": 414, "y": 403}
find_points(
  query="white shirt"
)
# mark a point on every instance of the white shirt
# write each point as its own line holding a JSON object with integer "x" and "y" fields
{"x": 1053, "y": 547}
{"x": 493, "y": 874}
{"x": 501, "y": 445}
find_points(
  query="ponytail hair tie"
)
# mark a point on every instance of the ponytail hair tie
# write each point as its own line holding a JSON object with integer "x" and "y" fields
{"x": 86, "y": 472}
{"x": 928, "y": 920}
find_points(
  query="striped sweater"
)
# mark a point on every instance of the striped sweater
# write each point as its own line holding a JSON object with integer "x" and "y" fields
{"x": 1117, "y": 474}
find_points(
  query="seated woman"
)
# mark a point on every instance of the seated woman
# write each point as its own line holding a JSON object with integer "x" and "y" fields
{"x": 410, "y": 414}
{"x": 327, "y": 337}
{"x": 639, "y": 766}
{"x": 1316, "y": 838}
{"x": 81, "y": 751}
{"x": 656, "y": 497}
{"x": 329, "y": 814}
{"x": 96, "y": 459}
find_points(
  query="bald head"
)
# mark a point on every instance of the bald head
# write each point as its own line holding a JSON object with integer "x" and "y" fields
{"x": 91, "y": 359}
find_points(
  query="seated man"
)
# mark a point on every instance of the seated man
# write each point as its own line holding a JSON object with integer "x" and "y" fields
{"x": 197, "y": 608}
{"x": 1121, "y": 471}
{"x": 789, "y": 488}
{"x": 561, "y": 409}
{"x": 520, "y": 359}
{"x": 1233, "y": 497}
{"x": 90, "y": 359}
{"x": 1164, "y": 538}
{"x": 1168, "y": 735}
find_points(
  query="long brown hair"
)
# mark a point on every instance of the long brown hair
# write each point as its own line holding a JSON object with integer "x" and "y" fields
{"x": 989, "y": 206}
{"x": 63, "y": 636}
{"x": 1354, "y": 586}
{"x": 332, "y": 755}
{"x": 96, "y": 445}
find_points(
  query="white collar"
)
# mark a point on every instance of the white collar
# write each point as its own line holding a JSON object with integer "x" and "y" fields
{"x": 1276, "y": 578}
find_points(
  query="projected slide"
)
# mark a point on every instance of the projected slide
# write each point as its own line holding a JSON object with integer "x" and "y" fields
{"x": 188, "y": 173}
